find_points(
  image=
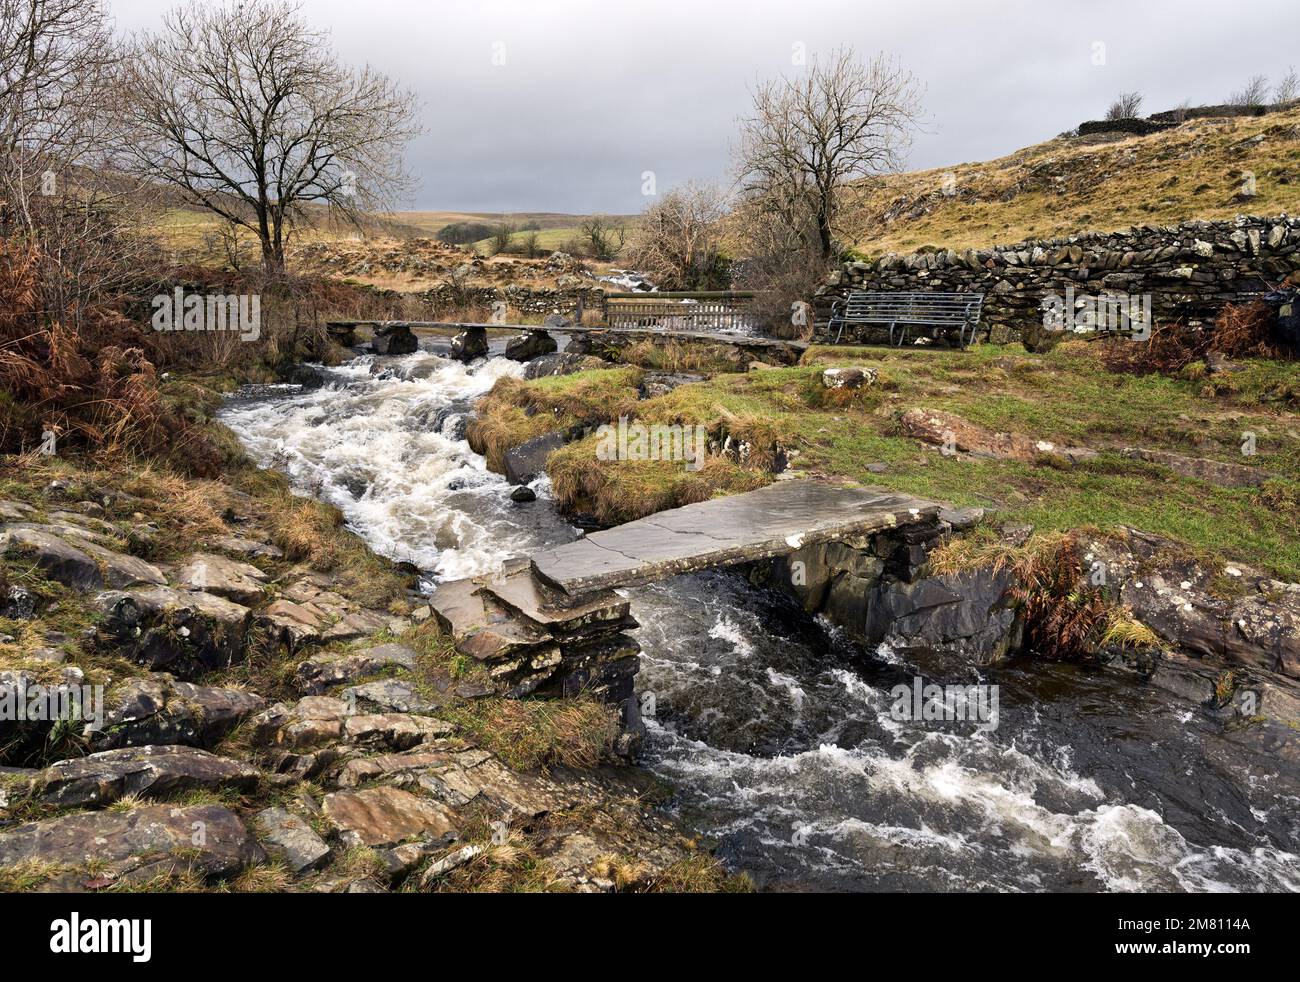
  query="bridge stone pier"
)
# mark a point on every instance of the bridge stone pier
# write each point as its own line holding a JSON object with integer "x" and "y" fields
{"x": 556, "y": 624}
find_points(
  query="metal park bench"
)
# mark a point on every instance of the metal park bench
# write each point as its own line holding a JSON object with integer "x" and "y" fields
{"x": 945, "y": 314}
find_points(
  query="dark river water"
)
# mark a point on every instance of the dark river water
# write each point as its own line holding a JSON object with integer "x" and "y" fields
{"x": 776, "y": 730}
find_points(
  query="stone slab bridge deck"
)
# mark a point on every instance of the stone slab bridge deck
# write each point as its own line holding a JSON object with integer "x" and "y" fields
{"x": 554, "y": 623}
{"x": 393, "y": 333}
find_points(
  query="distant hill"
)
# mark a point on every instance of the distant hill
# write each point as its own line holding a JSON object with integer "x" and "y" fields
{"x": 1073, "y": 184}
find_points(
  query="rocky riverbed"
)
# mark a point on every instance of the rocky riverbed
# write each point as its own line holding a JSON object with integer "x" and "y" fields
{"x": 775, "y": 724}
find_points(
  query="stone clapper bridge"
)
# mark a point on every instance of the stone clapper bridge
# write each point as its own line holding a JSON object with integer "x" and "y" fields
{"x": 556, "y": 625}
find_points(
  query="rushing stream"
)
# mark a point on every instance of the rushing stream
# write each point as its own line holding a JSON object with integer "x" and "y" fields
{"x": 777, "y": 732}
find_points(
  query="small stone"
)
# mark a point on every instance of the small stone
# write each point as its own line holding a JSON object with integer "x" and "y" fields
{"x": 291, "y": 839}
{"x": 522, "y": 494}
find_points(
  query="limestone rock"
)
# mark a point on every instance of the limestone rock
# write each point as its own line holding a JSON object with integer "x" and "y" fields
{"x": 103, "y": 778}
{"x": 140, "y": 842}
{"x": 848, "y": 378}
{"x": 241, "y": 582}
{"x": 326, "y": 671}
{"x": 159, "y": 709}
{"x": 184, "y": 632}
{"x": 57, "y": 559}
{"x": 385, "y": 816}
{"x": 291, "y": 839}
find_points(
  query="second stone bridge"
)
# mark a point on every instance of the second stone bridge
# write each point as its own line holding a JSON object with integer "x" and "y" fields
{"x": 555, "y": 623}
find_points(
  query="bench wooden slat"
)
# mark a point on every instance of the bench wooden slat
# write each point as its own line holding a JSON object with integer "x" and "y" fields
{"x": 943, "y": 311}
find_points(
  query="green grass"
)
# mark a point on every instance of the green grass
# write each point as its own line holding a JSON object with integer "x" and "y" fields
{"x": 1065, "y": 396}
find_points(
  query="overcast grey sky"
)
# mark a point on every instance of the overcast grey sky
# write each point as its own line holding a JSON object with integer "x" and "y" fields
{"x": 592, "y": 94}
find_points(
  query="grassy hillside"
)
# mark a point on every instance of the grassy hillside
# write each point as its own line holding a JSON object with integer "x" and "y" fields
{"x": 1093, "y": 183}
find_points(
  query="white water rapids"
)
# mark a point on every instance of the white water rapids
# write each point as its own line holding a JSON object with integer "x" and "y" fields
{"x": 776, "y": 731}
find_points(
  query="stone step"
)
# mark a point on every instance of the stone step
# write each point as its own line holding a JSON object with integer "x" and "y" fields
{"x": 771, "y": 521}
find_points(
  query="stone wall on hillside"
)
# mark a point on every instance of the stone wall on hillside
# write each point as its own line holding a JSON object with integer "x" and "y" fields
{"x": 518, "y": 299}
{"x": 1190, "y": 271}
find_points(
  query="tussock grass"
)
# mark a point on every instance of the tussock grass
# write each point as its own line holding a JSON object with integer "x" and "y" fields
{"x": 615, "y": 491}
{"x": 516, "y": 411}
{"x": 678, "y": 356}
{"x": 1125, "y": 631}
{"x": 528, "y": 734}
{"x": 512, "y": 866}
{"x": 699, "y": 874}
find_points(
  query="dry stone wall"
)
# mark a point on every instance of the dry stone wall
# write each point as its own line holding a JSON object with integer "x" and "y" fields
{"x": 1190, "y": 271}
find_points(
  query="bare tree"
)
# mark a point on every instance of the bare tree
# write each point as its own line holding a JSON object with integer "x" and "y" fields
{"x": 1127, "y": 106}
{"x": 676, "y": 242}
{"x": 501, "y": 238}
{"x": 246, "y": 111}
{"x": 1254, "y": 93}
{"x": 809, "y": 136}
{"x": 604, "y": 236}
{"x": 531, "y": 242}
{"x": 57, "y": 66}
{"x": 1287, "y": 90}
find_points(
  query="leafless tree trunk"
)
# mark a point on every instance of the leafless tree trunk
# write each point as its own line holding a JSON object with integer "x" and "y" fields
{"x": 604, "y": 235}
{"x": 811, "y": 135}
{"x": 57, "y": 65}
{"x": 245, "y": 110}
{"x": 676, "y": 242}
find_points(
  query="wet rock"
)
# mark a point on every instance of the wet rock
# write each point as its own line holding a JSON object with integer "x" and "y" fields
{"x": 523, "y": 494}
{"x": 153, "y": 771}
{"x": 386, "y": 817}
{"x": 241, "y": 582}
{"x": 325, "y": 671}
{"x": 470, "y": 344}
{"x": 308, "y": 376}
{"x": 530, "y": 345}
{"x": 967, "y": 613}
{"x": 291, "y": 839}
{"x": 162, "y": 710}
{"x": 527, "y": 461}
{"x": 394, "y": 339}
{"x": 564, "y": 363}
{"x": 184, "y": 632}
{"x": 140, "y": 842}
